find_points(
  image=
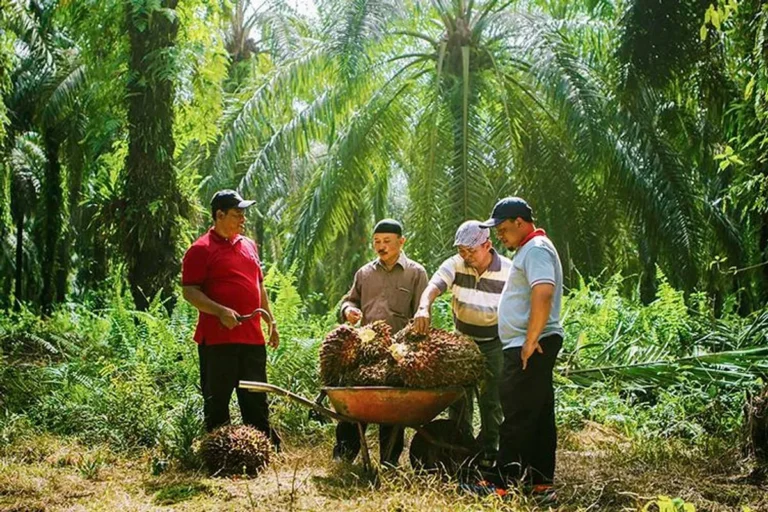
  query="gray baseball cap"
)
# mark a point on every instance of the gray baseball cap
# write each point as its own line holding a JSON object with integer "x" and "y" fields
{"x": 471, "y": 234}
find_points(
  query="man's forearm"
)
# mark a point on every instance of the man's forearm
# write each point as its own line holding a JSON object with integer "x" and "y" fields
{"x": 201, "y": 301}
{"x": 431, "y": 293}
{"x": 541, "y": 304}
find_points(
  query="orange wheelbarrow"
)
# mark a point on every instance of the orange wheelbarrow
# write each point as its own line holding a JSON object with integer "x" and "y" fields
{"x": 436, "y": 443}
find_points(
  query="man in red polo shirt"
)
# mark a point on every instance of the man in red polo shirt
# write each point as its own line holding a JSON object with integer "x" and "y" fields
{"x": 221, "y": 276}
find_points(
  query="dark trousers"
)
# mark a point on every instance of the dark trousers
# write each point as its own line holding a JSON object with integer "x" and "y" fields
{"x": 528, "y": 435}
{"x": 348, "y": 442}
{"x": 221, "y": 368}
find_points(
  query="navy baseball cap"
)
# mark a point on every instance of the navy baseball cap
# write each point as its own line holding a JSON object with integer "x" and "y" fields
{"x": 509, "y": 208}
{"x": 226, "y": 199}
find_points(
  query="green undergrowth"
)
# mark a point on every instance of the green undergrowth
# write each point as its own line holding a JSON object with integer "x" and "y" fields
{"x": 129, "y": 380}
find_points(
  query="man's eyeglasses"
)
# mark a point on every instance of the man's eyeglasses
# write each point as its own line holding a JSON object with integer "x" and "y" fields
{"x": 467, "y": 251}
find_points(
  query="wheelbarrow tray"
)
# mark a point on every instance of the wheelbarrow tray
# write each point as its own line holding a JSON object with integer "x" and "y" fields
{"x": 392, "y": 406}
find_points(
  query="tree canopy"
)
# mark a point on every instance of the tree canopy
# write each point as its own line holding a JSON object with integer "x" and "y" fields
{"x": 635, "y": 129}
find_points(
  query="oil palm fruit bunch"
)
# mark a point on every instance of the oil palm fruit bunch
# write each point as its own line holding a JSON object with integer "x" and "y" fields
{"x": 381, "y": 373}
{"x": 235, "y": 450}
{"x": 339, "y": 355}
{"x": 436, "y": 359}
{"x": 375, "y": 341}
{"x": 371, "y": 356}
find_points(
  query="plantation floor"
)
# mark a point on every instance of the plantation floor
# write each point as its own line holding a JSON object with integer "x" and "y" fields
{"x": 597, "y": 470}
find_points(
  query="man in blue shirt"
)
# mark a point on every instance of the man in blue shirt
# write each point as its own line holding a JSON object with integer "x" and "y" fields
{"x": 531, "y": 335}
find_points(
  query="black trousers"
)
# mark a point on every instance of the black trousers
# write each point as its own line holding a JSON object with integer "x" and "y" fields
{"x": 528, "y": 435}
{"x": 348, "y": 442}
{"x": 221, "y": 368}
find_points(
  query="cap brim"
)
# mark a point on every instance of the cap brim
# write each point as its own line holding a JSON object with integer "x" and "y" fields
{"x": 245, "y": 204}
{"x": 492, "y": 223}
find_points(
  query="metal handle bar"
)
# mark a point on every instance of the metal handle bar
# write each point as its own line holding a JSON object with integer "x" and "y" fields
{"x": 269, "y": 388}
{"x": 264, "y": 312}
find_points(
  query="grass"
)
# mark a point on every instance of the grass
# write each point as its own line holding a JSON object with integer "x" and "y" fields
{"x": 598, "y": 469}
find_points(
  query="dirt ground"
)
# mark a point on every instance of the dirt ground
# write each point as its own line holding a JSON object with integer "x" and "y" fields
{"x": 597, "y": 470}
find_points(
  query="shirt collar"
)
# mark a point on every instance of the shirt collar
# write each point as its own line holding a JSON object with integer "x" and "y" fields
{"x": 220, "y": 239}
{"x": 533, "y": 234}
{"x": 400, "y": 261}
{"x": 495, "y": 265}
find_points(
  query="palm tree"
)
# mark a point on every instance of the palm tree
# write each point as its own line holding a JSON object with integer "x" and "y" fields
{"x": 27, "y": 165}
{"x": 710, "y": 92}
{"x": 45, "y": 84}
{"x": 150, "y": 226}
{"x": 469, "y": 101}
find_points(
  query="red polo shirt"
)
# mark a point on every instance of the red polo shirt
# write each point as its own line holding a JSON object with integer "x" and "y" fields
{"x": 228, "y": 272}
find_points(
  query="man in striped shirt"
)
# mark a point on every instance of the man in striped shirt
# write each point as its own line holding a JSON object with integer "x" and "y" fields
{"x": 476, "y": 277}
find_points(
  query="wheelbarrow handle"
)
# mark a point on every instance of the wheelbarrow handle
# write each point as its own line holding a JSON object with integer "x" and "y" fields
{"x": 269, "y": 388}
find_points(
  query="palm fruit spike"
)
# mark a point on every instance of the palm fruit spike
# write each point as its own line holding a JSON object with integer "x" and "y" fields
{"x": 381, "y": 373}
{"x": 383, "y": 332}
{"x": 375, "y": 340}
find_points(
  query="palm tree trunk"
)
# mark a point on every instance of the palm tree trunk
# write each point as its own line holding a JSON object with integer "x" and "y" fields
{"x": 150, "y": 226}
{"x": 52, "y": 196}
{"x": 75, "y": 163}
{"x": 63, "y": 265}
{"x": 756, "y": 423}
{"x": 19, "y": 262}
{"x": 764, "y": 253}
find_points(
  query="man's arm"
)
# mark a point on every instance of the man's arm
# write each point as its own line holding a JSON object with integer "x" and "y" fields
{"x": 423, "y": 317}
{"x": 349, "y": 311}
{"x": 441, "y": 281}
{"x": 274, "y": 336}
{"x": 195, "y": 296}
{"x": 539, "y": 266}
{"x": 541, "y": 304}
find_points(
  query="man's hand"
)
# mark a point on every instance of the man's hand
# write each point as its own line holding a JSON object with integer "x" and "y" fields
{"x": 529, "y": 347}
{"x": 274, "y": 337}
{"x": 352, "y": 315}
{"x": 421, "y": 321}
{"x": 228, "y": 317}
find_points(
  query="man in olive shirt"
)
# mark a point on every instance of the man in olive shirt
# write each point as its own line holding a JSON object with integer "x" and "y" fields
{"x": 388, "y": 288}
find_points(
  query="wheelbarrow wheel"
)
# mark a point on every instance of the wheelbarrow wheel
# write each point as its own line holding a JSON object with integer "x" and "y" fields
{"x": 426, "y": 455}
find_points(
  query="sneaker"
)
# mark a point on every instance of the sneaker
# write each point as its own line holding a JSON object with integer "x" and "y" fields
{"x": 342, "y": 454}
{"x": 482, "y": 488}
{"x": 544, "y": 494}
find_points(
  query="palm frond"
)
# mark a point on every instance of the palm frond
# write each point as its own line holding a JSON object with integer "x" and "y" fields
{"x": 65, "y": 89}
{"x": 353, "y": 25}
{"x": 729, "y": 369}
{"x": 332, "y": 196}
{"x": 247, "y": 122}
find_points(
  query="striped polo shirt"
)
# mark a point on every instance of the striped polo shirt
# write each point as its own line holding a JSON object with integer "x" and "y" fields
{"x": 475, "y": 297}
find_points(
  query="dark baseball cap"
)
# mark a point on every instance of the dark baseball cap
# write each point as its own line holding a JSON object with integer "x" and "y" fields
{"x": 509, "y": 208}
{"x": 226, "y": 199}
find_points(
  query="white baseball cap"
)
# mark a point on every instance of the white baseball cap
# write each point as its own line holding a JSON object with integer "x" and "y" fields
{"x": 471, "y": 234}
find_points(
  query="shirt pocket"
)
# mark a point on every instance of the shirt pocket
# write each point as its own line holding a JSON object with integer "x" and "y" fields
{"x": 400, "y": 301}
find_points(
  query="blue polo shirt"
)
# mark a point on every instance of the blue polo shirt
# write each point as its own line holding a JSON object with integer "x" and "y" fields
{"x": 534, "y": 263}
